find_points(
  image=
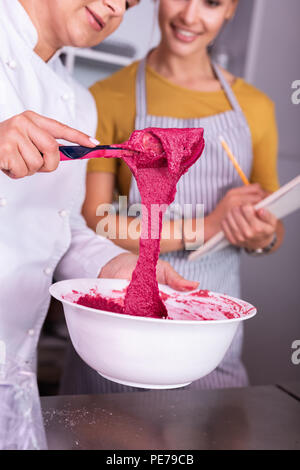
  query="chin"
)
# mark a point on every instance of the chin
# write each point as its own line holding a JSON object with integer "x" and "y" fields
{"x": 184, "y": 52}
{"x": 84, "y": 39}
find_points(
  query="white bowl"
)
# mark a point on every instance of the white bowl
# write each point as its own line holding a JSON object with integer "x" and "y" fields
{"x": 144, "y": 352}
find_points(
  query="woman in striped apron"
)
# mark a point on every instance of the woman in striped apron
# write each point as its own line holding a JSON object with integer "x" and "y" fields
{"x": 208, "y": 182}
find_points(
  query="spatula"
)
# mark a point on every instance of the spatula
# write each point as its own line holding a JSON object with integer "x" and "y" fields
{"x": 74, "y": 152}
{"x": 155, "y": 154}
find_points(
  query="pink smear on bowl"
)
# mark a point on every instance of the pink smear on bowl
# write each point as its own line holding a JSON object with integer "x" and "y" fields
{"x": 200, "y": 305}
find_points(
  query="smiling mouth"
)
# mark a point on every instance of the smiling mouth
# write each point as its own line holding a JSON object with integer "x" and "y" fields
{"x": 97, "y": 19}
{"x": 184, "y": 32}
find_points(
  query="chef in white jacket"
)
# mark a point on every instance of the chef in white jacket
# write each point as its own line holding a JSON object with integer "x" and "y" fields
{"x": 42, "y": 232}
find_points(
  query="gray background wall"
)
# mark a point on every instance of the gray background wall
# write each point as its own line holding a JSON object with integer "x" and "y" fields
{"x": 272, "y": 63}
{"x": 273, "y": 283}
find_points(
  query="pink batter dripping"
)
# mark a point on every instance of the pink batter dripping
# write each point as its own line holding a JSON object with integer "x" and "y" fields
{"x": 160, "y": 157}
{"x": 164, "y": 155}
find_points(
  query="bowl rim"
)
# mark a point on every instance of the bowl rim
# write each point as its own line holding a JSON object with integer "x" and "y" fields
{"x": 162, "y": 321}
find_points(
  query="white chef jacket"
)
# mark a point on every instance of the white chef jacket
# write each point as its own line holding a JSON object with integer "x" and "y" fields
{"x": 42, "y": 233}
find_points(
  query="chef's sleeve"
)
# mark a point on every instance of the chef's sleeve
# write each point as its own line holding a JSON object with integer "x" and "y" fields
{"x": 87, "y": 253}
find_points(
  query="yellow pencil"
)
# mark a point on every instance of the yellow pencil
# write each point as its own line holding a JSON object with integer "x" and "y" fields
{"x": 233, "y": 160}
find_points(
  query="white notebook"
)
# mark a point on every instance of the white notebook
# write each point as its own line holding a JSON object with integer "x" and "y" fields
{"x": 281, "y": 203}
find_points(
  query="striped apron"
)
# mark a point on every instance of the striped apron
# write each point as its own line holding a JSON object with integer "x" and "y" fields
{"x": 206, "y": 182}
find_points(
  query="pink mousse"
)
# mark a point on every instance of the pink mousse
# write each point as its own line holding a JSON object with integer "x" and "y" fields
{"x": 161, "y": 157}
{"x": 158, "y": 158}
{"x": 201, "y": 305}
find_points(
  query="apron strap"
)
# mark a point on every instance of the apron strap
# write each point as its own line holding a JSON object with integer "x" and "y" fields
{"x": 141, "y": 89}
{"x": 227, "y": 89}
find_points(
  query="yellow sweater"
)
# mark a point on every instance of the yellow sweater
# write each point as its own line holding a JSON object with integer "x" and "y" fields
{"x": 115, "y": 99}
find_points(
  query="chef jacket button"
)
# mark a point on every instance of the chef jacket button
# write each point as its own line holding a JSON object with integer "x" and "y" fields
{"x": 3, "y": 201}
{"x": 47, "y": 271}
{"x": 63, "y": 213}
{"x": 65, "y": 97}
{"x": 12, "y": 64}
{"x": 30, "y": 332}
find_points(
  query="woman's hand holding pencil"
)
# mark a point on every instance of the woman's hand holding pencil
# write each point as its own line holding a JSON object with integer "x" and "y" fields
{"x": 234, "y": 198}
{"x": 242, "y": 225}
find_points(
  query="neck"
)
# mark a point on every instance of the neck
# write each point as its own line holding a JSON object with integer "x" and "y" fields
{"x": 47, "y": 43}
{"x": 182, "y": 68}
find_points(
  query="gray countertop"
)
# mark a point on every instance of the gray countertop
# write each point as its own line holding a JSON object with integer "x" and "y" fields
{"x": 265, "y": 417}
